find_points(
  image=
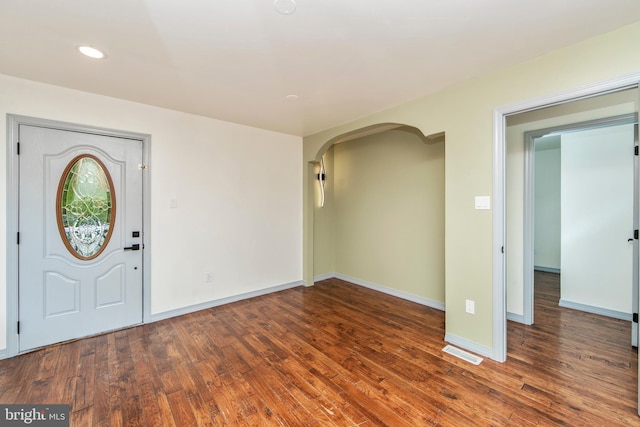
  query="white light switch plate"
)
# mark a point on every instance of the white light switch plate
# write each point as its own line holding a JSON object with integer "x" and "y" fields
{"x": 470, "y": 306}
{"x": 483, "y": 202}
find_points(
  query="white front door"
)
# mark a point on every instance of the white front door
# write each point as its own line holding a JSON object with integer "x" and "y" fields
{"x": 80, "y": 219}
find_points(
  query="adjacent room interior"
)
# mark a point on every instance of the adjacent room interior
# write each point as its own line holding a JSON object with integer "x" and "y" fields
{"x": 570, "y": 219}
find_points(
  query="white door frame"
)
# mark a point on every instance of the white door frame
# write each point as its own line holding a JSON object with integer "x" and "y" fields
{"x": 499, "y": 189}
{"x": 13, "y": 123}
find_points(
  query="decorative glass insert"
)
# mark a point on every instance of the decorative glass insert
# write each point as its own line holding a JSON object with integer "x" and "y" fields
{"x": 86, "y": 207}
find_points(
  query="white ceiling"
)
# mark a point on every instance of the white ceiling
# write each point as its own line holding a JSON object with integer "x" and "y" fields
{"x": 237, "y": 60}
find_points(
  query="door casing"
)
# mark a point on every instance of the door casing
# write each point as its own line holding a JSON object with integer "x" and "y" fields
{"x": 13, "y": 192}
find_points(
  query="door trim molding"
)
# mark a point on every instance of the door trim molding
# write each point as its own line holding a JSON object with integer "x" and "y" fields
{"x": 13, "y": 123}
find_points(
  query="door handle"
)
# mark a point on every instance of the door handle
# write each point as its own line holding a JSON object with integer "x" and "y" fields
{"x": 134, "y": 247}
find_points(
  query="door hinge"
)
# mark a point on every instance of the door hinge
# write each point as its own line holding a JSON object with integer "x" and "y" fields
{"x": 635, "y": 150}
{"x": 18, "y": 238}
{"x": 502, "y": 249}
{"x": 635, "y": 317}
{"x": 18, "y": 148}
{"x": 18, "y": 328}
{"x": 635, "y": 234}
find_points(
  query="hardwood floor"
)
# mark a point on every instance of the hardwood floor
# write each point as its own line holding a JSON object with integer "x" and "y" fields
{"x": 335, "y": 355}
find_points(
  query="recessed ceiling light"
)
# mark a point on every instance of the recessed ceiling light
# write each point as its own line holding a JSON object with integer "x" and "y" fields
{"x": 285, "y": 7}
{"x": 91, "y": 52}
{"x": 292, "y": 97}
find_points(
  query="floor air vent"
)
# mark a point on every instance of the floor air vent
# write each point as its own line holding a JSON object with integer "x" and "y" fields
{"x": 454, "y": 351}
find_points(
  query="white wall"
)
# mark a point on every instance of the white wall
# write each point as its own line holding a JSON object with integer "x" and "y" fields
{"x": 547, "y": 204}
{"x": 597, "y": 218}
{"x": 239, "y": 193}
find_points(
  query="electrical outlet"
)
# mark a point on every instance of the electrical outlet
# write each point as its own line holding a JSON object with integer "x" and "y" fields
{"x": 208, "y": 277}
{"x": 470, "y": 306}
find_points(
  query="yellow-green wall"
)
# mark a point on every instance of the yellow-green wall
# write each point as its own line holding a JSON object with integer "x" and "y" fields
{"x": 385, "y": 201}
{"x": 465, "y": 113}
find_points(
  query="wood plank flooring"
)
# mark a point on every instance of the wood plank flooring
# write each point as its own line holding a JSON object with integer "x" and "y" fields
{"x": 335, "y": 355}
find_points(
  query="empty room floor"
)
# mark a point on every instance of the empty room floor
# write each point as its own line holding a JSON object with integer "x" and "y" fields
{"x": 335, "y": 354}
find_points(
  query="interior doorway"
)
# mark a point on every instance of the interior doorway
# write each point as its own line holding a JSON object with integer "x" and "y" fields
{"x": 503, "y": 179}
{"x": 580, "y": 202}
{"x": 600, "y": 112}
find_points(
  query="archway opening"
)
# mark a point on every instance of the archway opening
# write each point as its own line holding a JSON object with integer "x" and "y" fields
{"x": 382, "y": 224}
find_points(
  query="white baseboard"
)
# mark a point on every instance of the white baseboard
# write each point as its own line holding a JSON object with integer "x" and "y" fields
{"x": 469, "y": 345}
{"x": 394, "y": 292}
{"x": 546, "y": 269}
{"x": 3, "y": 354}
{"x": 516, "y": 318}
{"x": 215, "y": 303}
{"x": 595, "y": 310}
{"x": 322, "y": 277}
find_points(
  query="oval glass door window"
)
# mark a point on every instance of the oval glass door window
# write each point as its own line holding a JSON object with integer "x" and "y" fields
{"x": 86, "y": 207}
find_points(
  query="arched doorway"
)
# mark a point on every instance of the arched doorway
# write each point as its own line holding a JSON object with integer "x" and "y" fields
{"x": 383, "y": 222}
